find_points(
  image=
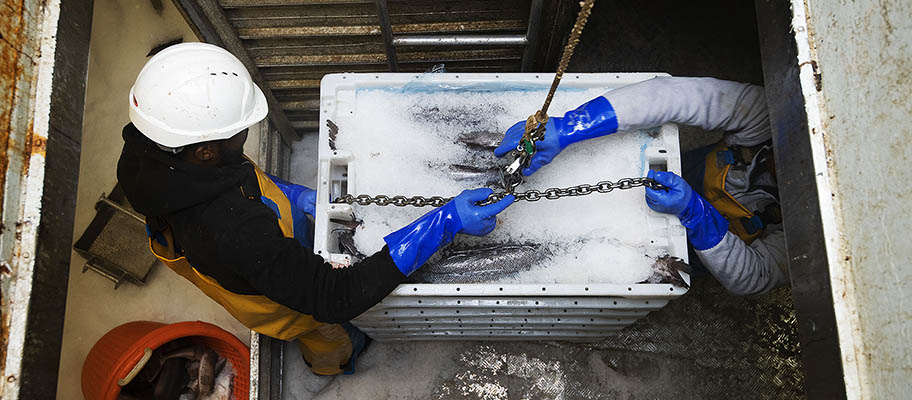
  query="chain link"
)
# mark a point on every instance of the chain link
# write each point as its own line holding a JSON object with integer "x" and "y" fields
{"x": 534, "y": 132}
{"x": 529, "y": 195}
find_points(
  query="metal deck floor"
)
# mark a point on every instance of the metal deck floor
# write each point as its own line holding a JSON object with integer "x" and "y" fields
{"x": 707, "y": 345}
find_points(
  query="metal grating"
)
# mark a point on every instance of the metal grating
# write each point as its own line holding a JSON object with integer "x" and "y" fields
{"x": 294, "y": 43}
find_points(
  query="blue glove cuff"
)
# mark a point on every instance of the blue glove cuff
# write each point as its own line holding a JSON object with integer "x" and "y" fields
{"x": 592, "y": 119}
{"x": 290, "y": 190}
{"x": 296, "y": 194}
{"x": 412, "y": 245}
{"x": 705, "y": 226}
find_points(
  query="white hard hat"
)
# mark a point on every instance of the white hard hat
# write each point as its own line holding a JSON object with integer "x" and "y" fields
{"x": 194, "y": 92}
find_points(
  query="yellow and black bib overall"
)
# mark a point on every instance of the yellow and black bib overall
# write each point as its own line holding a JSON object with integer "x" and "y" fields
{"x": 742, "y": 222}
{"x": 326, "y": 347}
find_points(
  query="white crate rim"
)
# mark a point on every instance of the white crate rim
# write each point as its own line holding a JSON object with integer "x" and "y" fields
{"x": 438, "y": 298}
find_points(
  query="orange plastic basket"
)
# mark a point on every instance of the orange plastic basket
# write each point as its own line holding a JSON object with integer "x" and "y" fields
{"x": 122, "y": 350}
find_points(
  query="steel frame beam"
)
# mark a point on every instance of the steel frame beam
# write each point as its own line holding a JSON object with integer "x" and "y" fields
{"x": 533, "y": 35}
{"x": 386, "y": 29}
{"x": 801, "y": 213}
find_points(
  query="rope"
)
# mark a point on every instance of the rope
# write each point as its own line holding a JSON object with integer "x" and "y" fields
{"x": 535, "y": 124}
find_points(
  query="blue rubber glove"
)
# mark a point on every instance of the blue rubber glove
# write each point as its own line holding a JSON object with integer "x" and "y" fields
{"x": 303, "y": 197}
{"x": 412, "y": 245}
{"x": 705, "y": 226}
{"x": 593, "y": 119}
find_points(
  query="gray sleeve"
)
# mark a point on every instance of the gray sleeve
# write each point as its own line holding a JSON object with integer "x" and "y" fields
{"x": 745, "y": 270}
{"x": 739, "y": 109}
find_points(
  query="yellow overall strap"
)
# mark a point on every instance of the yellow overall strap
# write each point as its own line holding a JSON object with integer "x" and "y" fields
{"x": 717, "y": 168}
{"x": 325, "y": 346}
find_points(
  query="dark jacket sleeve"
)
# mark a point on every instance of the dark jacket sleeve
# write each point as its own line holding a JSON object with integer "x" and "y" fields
{"x": 292, "y": 275}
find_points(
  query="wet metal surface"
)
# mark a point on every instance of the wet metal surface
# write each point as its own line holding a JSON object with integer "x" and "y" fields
{"x": 707, "y": 344}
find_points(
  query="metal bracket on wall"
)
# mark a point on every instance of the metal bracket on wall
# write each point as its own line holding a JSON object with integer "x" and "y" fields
{"x": 115, "y": 243}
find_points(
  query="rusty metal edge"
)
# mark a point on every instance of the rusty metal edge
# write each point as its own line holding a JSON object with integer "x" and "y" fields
{"x": 31, "y": 189}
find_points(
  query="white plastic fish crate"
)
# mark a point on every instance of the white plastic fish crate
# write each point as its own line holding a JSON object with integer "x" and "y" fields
{"x": 492, "y": 311}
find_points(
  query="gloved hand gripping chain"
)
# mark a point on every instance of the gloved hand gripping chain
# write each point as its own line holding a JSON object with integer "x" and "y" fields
{"x": 522, "y": 156}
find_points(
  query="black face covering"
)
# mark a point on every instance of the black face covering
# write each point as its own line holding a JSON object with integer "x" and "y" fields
{"x": 232, "y": 149}
{"x": 160, "y": 183}
{"x": 231, "y": 156}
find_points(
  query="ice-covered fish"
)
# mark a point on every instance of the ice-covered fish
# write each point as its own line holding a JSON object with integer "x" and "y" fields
{"x": 487, "y": 263}
{"x": 347, "y": 244}
{"x": 483, "y": 176}
{"x": 481, "y": 140}
{"x": 469, "y": 115}
{"x": 666, "y": 269}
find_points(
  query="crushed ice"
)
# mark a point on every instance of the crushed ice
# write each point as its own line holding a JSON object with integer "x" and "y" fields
{"x": 399, "y": 141}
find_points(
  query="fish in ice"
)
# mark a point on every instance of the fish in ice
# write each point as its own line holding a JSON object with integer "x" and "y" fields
{"x": 470, "y": 115}
{"x": 346, "y": 239}
{"x": 667, "y": 269}
{"x": 486, "y": 263}
{"x": 484, "y": 140}
{"x": 488, "y": 177}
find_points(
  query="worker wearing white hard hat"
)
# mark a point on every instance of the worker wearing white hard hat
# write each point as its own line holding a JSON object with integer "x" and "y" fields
{"x": 729, "y": 203}
{"x": 242, "y": 236}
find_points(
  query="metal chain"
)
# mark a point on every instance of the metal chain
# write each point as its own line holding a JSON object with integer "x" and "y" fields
{"x": 534, "y": 132}
{"x": 535, "y": 123}
{"x": 529, "y": 195}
